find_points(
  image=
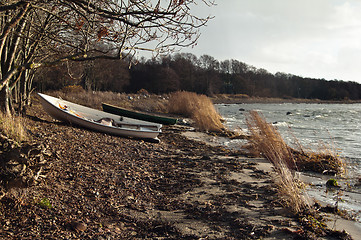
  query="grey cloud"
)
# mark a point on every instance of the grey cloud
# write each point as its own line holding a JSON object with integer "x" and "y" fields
{"x": 288, "y": 35}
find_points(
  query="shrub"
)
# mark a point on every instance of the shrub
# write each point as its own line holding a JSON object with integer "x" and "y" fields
{"x": 198, "y": 107}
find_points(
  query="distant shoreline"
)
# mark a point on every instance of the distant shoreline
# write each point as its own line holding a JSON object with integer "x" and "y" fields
{"x": 239, "y": 99}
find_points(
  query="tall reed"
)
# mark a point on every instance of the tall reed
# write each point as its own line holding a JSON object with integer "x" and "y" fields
{"x": 269, "y": 143}
{"x": 13, "y": 127}
{"x": 197, "y": 107}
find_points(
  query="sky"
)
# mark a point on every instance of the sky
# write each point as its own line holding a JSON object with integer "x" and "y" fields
{"x": 308, "y": 38}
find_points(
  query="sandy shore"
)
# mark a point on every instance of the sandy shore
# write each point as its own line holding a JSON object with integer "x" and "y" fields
{"x": 96, "y": 186}
{"x": 336, "y": 222}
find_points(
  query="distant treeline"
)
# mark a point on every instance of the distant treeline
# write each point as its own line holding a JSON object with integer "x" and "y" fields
{"x": 204, "y": 75}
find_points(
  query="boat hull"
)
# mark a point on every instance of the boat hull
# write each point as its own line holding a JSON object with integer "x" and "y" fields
{"x": 137, "y": 115}
{"x": 88, "y": 117}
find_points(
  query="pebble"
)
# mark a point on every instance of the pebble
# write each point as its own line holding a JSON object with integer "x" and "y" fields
{"x": 79, "y": 226}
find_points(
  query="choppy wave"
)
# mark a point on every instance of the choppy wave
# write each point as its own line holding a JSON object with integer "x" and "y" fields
{"x": 335, "y": 126}
{"x": 309, "y": 123}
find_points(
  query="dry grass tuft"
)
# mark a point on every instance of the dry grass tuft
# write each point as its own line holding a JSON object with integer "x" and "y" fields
{"x": 325, "y": 162}
{"x": 198, "y": 107}
{"x": 13, "y": 127}
{"x": 267, "y": 141}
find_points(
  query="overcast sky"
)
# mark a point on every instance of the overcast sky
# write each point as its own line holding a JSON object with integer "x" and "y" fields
{"x": 309, "y": 38}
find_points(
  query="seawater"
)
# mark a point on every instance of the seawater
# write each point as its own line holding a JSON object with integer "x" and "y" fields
{"x": 336, "y": 127}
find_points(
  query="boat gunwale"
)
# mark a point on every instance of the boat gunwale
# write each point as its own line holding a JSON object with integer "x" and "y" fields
{"x": 139, "y": 115}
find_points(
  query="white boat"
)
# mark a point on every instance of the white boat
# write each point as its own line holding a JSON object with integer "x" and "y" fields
{"x": 66, "y": 111}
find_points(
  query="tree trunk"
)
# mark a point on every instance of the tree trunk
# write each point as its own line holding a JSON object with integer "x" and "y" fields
{"x": 5, "y": 100}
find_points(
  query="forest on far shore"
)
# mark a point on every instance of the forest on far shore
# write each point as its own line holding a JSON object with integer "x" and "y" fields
{"x": 185, "y": 71}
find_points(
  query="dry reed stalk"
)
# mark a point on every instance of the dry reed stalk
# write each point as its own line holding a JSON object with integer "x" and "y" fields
{"x": 198, "y": 107}
{"x": 267, "y": 140}
{"x": 13, "y": 128}
{"x": 289, "y": 190}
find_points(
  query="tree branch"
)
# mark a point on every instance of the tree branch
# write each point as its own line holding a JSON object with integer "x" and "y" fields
{"x": 12, "y": 6}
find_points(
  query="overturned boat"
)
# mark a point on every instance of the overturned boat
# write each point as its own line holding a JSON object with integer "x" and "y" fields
{"x": 97, "y": 120}
{"x": 138, "y": 115}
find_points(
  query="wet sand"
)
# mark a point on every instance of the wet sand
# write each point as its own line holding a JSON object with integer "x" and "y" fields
{"x": 333, "y": 221}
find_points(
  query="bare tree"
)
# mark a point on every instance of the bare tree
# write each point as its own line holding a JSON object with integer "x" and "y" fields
{"x": 39, "y": 33}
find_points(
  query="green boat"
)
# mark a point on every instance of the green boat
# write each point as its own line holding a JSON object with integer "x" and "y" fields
{"x": 138, "y": 115}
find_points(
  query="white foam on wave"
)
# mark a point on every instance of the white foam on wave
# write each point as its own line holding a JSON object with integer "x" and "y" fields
{"x": 281, "y": 124}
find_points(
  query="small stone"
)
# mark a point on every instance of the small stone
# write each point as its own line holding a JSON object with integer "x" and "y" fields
{"x": 79, "y": 226}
